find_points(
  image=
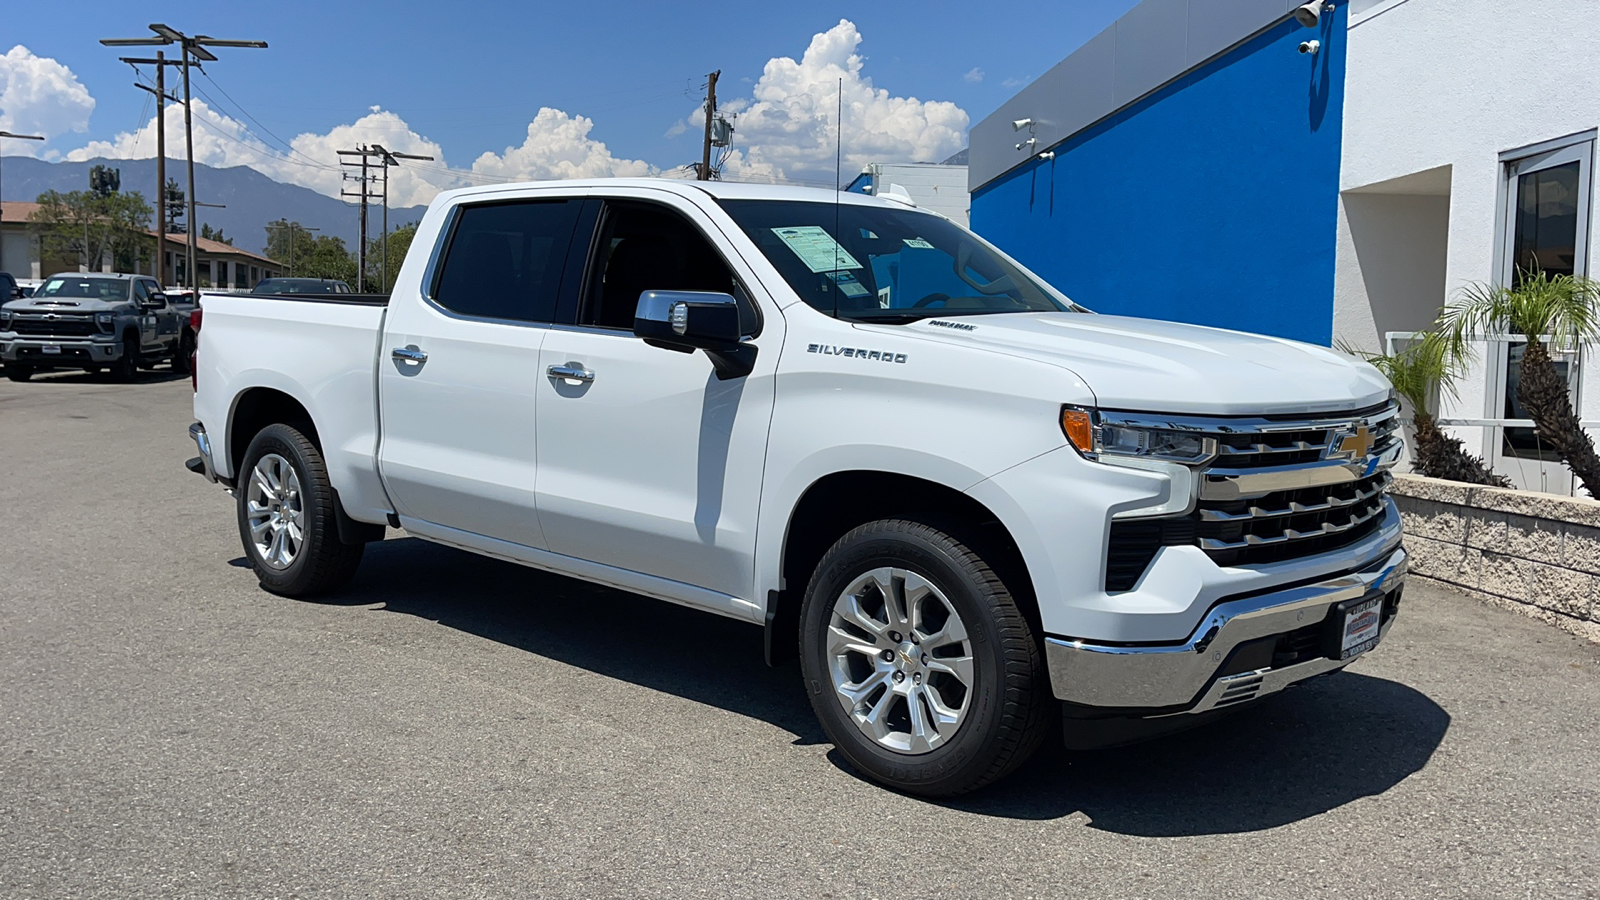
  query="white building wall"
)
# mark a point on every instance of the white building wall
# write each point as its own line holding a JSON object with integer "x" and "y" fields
{"x": 1456, "y": 83}
{"x": 942, "y": 189}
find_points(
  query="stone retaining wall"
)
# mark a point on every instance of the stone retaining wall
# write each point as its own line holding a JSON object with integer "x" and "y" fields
{"x": 1537, "y": 554}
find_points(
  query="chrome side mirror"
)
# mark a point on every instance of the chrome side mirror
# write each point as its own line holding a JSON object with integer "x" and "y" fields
{"x": 686, "y": 321}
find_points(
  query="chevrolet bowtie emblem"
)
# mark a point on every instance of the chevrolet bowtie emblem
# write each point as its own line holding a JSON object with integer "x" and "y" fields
{"x": 1354, "y": 445}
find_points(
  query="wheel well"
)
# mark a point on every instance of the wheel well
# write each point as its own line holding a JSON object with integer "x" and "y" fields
{"x": 256, "y": 409}
{"x": 841, "y": 501}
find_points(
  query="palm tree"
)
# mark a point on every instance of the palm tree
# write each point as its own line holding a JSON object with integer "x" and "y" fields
{"x": 1417, "y": 373}
{"x": 1560, "y": 311}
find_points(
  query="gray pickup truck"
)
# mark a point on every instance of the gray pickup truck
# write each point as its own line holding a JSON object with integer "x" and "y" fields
{"x": 94, "y": 321}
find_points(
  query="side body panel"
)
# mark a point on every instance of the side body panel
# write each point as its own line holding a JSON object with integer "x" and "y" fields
{"x": 320, "y": 354}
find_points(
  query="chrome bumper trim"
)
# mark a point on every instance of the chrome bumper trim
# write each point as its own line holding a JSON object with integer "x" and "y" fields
{"x": 1163, "y": 677}
{"x": 202, "y": 441}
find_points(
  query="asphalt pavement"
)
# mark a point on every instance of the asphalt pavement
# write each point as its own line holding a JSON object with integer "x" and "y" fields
{"x": 452, "y": 726}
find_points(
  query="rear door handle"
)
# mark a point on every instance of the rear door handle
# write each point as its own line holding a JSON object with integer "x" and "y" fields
{"x": 571, "y": 372}
{"x": 409, "y": 353}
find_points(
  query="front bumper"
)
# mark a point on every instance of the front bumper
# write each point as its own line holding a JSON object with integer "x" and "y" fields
{"x": 1221, "y": 663}
{"x": 66, "y": 352}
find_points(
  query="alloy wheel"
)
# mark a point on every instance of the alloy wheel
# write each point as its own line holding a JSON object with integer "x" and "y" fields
{"x": 276, "y": 511}
{"x": 900, "y": 659}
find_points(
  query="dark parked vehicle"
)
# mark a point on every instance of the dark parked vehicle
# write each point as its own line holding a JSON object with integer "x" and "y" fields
{"x": 94, "y": 321}
{"x": 302, "y": 286}
{"x": 9, "y": 289}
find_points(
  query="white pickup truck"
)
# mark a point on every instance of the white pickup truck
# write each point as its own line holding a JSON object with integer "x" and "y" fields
{"x": 972, "y": 507}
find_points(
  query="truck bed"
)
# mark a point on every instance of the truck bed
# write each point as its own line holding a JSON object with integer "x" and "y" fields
{"x": 320, "y": 350}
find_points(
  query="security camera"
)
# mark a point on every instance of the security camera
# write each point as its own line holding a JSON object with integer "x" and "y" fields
{"x": 1048, "y": 154}
{"x": 1311, "y": 13}
{"x": 1310, "y": 46}
{"x": 1028, "y": 143}
{"x": 1019, "y": 124}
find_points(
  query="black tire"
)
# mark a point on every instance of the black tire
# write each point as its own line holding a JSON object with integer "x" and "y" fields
{"x": 19, "y": 372}
{"x": 322, "y": 561}
{"x": 180, "y": 356}
{"x": 126, "y": 368}
{"x": 1008, "y": 708}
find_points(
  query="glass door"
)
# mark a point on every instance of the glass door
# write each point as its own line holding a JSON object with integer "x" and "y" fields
{"x": 1546, "y": 228}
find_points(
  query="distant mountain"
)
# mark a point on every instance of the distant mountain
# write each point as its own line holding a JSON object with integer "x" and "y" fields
{"x": 252, "y": 199}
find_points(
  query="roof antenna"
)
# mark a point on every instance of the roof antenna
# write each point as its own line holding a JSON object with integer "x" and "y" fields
{"x": 838, "y": 179}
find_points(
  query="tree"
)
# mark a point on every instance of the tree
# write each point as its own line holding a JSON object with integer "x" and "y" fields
{"x": 1560, "y": 311}
{"x": 1418, "y": 373}
{"x": 214, "y": 234}
{"x": 92, "y": 225}
{"x": 399, "y": 243}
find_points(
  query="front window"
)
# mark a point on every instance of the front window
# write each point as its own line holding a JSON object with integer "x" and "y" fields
{"x": 874, "y": 263}
{"x": 68, "y": 287}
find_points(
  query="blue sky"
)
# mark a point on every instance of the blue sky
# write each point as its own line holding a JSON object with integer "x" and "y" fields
{"x": 466, "y": 80}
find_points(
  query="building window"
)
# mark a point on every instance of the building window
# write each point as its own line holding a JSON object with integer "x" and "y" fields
{"x": 1545, "y": 227}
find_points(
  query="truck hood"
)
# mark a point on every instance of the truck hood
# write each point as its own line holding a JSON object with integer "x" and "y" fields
{"x": 1155, "y": 366}
{"x": 64, "y": 305}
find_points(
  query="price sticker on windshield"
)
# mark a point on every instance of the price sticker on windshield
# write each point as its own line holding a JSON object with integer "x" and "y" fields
{"x": 816, "y": 248}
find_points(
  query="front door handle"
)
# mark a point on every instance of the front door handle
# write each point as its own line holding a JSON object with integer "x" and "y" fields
{"x": 571, "y": 372}
{"x": 409, "y": 353}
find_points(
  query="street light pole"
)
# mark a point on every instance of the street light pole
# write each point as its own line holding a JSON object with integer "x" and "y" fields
{"x": 22, "y": 137}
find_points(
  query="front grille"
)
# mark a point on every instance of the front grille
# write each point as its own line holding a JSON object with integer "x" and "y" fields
{"x": 64, "y": 326}
{"x": 1276, "y": 526}
{"x": 1264, "y": 445}
{"x": 1290, "y": 524}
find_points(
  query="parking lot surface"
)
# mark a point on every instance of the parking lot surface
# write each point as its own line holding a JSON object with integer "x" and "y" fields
{"x": 452, "y": 726}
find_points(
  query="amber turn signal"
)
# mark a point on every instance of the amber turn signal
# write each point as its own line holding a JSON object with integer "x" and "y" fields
{"x": 1079, "y": 429}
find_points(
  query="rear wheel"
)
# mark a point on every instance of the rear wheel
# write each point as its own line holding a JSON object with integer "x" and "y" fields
{"x": 287, "y": 516}
{"x": 920, "y": 666}
{"x": 126, "y": 368}
{"x": 19, "y": 371}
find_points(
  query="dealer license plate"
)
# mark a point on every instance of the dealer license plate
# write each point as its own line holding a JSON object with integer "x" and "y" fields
{"x": 1360, "y": 627}
{"x": 50, "y": 349}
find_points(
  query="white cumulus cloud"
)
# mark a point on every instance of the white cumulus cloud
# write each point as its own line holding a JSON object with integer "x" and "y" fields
{"x": 558, "y": 145}
{"x": 311, "y": 162}
{"x": 786, "y": 128}
{"x": 40, "y": 96}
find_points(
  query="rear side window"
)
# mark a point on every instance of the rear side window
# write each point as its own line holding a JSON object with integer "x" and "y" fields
{"x": 505, "y": 260}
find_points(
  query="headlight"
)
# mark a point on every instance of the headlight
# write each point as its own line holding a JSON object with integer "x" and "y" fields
{"x": 1172, "y": 452}
{"x": 104, "y": 320}
{"x": 1097, "y": 437}
{"x": 5, "y": 320}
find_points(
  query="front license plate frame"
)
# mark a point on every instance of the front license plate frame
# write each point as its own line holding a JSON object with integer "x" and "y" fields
{"x": 1359, "y": 626}
{"x": 51, "y": 350}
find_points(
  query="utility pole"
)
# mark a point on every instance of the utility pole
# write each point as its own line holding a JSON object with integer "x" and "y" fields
{"x": 363, "y": 151}
{"x": 194, "y": 47}
{"x": 711, "y": 112}
{"x": 389, "y": 158}
{"x": 160, "y": 90}
{"x": 22, "y": 137}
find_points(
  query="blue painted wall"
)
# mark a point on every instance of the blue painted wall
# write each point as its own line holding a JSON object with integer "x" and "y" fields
{"x": 1212, "y": 201}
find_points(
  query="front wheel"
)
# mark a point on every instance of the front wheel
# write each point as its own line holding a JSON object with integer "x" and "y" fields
{"x": 126, "y": 368}
{"x": 287, "y": 516}
{"x": 920, "y": 665}
{"x": 180, "y": 356}
{"x": 19, "y": 372}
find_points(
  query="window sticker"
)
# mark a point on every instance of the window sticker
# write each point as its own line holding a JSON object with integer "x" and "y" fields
{"x": 816, "y": 248}
{"x": 918, "y": 243}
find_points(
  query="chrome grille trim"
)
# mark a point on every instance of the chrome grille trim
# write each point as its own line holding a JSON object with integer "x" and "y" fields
{"x": 1289, "y": 534}
{"x": 1296, "y": 508}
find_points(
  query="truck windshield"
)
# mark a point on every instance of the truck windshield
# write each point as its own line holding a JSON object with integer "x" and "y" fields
{"x": 885, "y": 264}
{"x": 84, "y": 288}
